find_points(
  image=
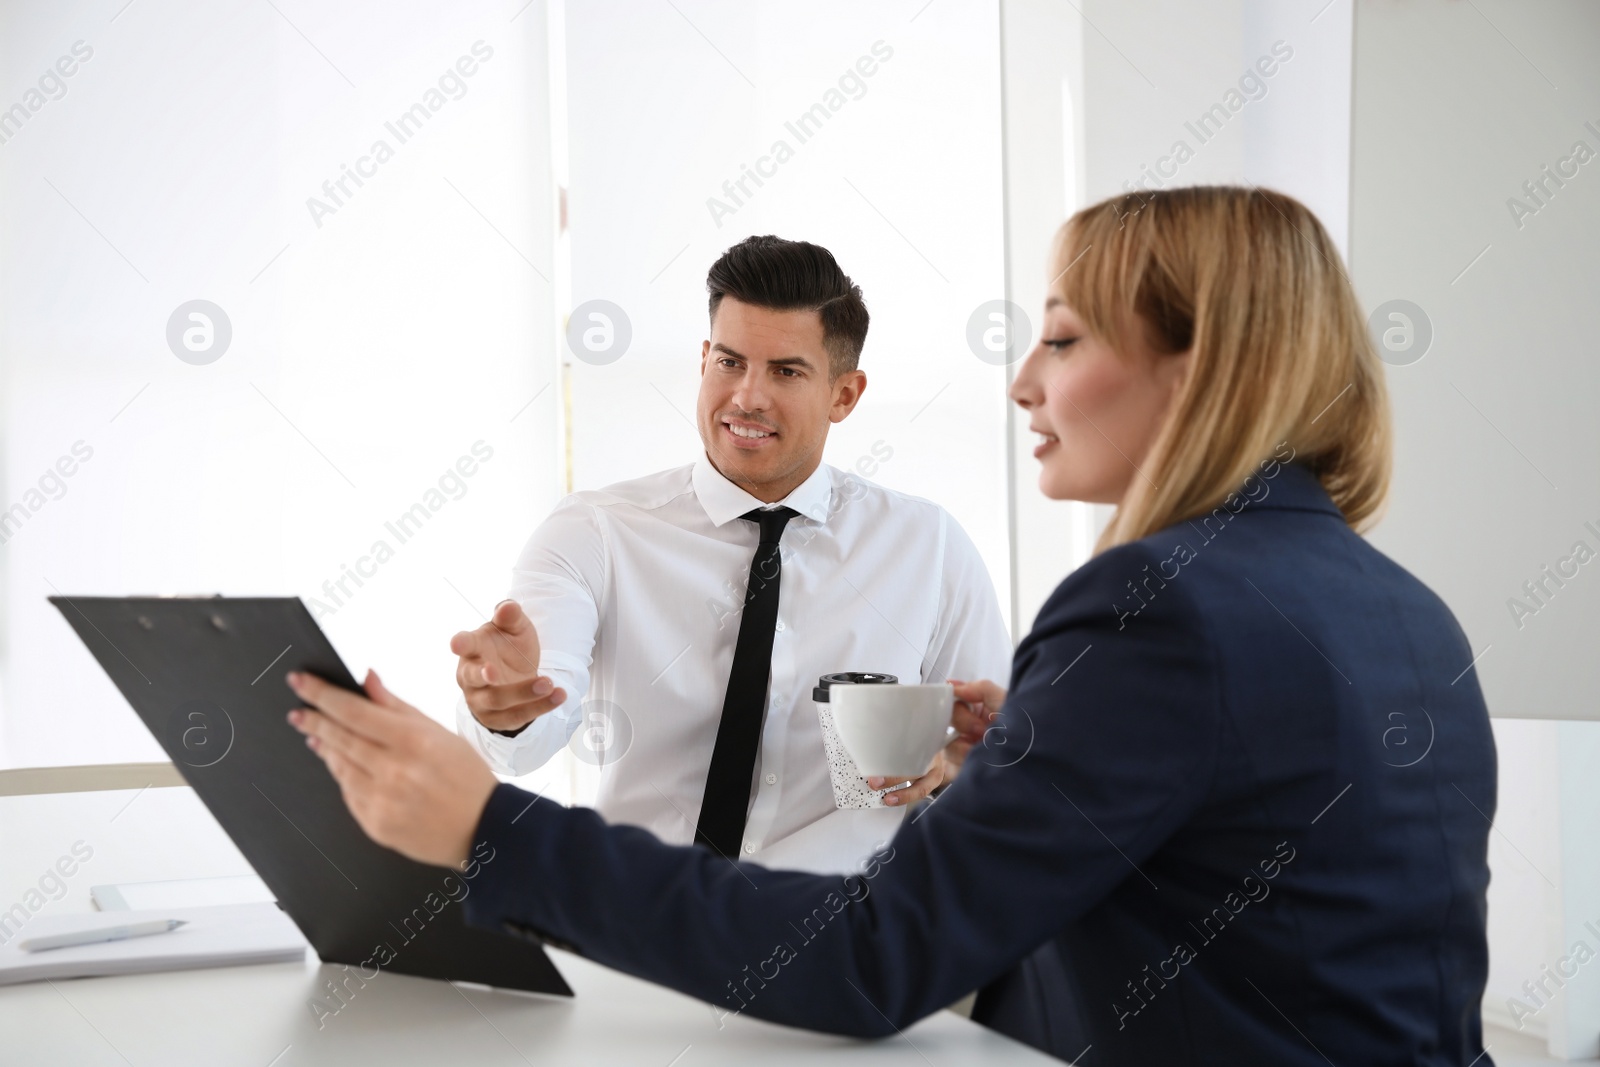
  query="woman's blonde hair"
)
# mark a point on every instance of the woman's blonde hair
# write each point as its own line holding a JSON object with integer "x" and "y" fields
{"x": 1249, "y": 280}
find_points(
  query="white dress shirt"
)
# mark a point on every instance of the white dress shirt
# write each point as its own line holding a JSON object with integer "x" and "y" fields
{"x": 636, "y": 592}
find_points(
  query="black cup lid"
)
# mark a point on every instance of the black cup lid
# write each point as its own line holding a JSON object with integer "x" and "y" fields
{"x": 820, "y": 693}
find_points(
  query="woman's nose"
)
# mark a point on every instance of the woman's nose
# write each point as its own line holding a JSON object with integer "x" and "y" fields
{"x": 1024, "y": 390}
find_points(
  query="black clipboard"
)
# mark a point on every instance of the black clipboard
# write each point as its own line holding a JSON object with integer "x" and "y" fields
{"x": 206, "y": 674}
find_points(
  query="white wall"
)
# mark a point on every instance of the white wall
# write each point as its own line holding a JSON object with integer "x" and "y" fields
{"x": 902, "y": 184}
{"x": 1107, "y": 101}
{"x": 372, "y": 350}
{"x": 1451, "y": 119}
{"x": 368, "y": 352}
{"x": 1497, "y": 451}
{"x": 1042, "y": 47}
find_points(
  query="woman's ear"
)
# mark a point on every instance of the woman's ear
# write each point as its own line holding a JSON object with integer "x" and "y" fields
{"x": 1177, "y": 368}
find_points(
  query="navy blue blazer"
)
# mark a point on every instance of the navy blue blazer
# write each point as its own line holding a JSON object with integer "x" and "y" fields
{"x": 1237, "y": 811}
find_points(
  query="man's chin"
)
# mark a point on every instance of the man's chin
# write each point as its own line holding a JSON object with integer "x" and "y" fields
{"x": 741, "y": 468}
{"x": 745, "y": 469}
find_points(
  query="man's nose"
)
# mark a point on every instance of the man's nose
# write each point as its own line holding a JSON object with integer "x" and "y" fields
{"x": 751, "y": 393}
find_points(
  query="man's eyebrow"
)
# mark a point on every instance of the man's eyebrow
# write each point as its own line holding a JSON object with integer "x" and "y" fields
{"x": 783, "y": 361}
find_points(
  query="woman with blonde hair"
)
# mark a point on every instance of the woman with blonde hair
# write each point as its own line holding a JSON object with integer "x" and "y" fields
{"x": 1249, "y": 822}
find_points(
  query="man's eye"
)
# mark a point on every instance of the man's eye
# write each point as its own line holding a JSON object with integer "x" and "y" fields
{"x": 727, "y": 362}
{"x": 788, "y": 372}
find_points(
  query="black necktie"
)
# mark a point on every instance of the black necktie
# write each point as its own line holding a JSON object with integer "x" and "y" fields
{"x": 733, "y": 761}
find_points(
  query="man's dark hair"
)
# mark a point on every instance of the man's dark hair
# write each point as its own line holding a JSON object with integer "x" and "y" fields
{"x": 770, "y": 272}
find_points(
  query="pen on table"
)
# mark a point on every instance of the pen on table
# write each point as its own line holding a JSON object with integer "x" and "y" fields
{"x": 104, "y": 933}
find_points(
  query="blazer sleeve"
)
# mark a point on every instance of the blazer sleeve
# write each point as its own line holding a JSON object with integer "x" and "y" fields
{"x": 1109, "y": 739}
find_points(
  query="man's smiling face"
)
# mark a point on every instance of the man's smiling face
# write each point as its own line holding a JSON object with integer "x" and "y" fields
{"x": 766, "y": 396}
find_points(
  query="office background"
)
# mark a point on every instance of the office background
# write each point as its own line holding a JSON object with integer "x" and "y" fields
{"x": 378, "y": 323}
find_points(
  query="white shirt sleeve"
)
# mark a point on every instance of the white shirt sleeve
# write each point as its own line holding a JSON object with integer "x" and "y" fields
{"x": 560, "y": 581}
{"x": 970, "y": 641}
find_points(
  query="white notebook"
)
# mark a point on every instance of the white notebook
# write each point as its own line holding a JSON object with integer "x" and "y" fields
{"x": 225, "y": 935}
{"x": 180, "y": 893}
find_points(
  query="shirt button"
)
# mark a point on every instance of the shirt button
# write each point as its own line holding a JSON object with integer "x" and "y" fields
{"x": 749, "y": 848}
{"x": 780, "y": 626}
{"x": 772, "y": 779}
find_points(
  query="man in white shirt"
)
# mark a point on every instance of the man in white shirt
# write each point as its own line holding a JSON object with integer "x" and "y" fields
{"x": 685, "y": 617}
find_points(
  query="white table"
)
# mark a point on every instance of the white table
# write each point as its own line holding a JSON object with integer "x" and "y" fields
{"x": 260, "y": 1016}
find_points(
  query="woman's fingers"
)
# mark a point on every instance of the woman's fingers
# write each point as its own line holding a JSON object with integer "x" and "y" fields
{"x": 325, "y": 736}
{"x": 352, "y": 710}
{"x": 380, "y": 694}
{"x": 970, "y": 721}
{"x": 984, "y": 692}
{"x": 353, "y": 780}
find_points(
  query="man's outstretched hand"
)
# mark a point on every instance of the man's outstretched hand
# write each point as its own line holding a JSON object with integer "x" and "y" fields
{"x": 498, "y": 671}
{"x": 411, "y": 784}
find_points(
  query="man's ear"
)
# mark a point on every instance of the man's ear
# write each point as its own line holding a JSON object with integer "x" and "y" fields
{"x": 847, "y": 390}
{"x": 705, "y": 353}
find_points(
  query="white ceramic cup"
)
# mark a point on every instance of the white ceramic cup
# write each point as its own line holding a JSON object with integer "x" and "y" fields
{"x": 892, "y": 731}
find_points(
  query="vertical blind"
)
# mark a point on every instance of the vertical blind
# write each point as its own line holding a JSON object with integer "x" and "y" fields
{"x": 278, "y": 320}
{"x": 288, "y": 294}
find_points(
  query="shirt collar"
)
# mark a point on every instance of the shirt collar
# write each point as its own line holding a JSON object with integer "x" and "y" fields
{"x": 725, "y": 501}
